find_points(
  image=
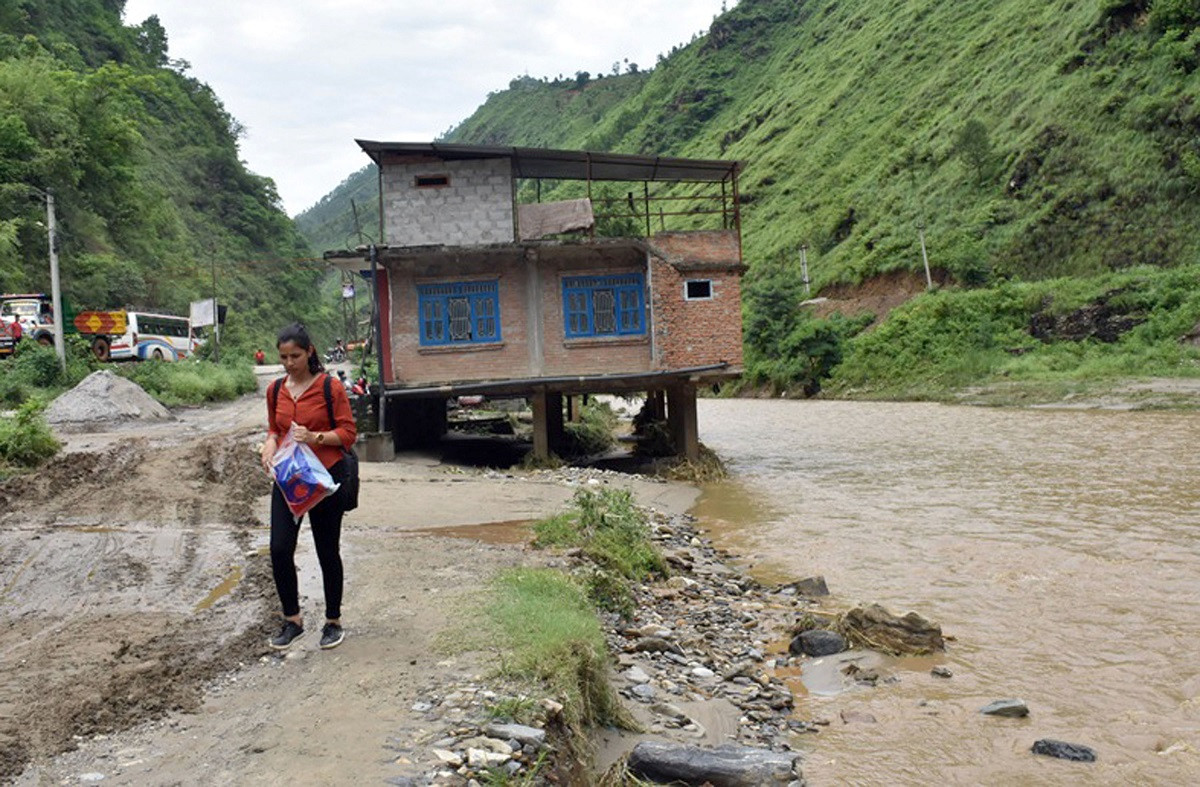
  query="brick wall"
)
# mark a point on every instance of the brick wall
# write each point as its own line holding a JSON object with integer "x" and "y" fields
{"x": 476, "y": 207}
{"x": 413, "y": 364}
{"x": 696, "y": 332}
{"x": 600, "y": 355}
{"x": 520, "y": 353}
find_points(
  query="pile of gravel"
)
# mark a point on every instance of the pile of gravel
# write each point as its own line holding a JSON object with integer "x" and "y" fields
{"x": 104, "y": 399}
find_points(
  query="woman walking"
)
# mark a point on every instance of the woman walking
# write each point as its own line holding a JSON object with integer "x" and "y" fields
{"x": 300, "y": 400}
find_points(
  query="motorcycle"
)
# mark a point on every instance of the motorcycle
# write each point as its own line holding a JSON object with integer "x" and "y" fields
{"x": 336, "y": 354}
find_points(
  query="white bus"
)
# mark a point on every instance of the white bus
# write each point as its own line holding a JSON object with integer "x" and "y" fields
{"x": 160, "y": 337}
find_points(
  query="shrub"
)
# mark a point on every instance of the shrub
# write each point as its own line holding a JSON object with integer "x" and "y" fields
{"x": 192, "y": 382}
{"x": 614, "y": 535}
{"x": 593, "y": 434}
{"x": 25, "y": 439}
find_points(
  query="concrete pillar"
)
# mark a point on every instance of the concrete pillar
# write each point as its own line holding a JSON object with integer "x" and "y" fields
{"x": 554, "y": 421}
{"x": 682, "y": 420}
{"x": 574, "y": 409}
{"x": 541, "y": 430}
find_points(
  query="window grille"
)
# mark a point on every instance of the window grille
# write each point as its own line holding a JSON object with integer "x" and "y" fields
{"x": 604, "y": 305}
{"x": 459, "y": 312}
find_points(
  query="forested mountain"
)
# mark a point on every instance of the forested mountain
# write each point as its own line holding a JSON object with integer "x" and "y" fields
{"x": 143, "y": 162}
{"x": 1051, "y": 143}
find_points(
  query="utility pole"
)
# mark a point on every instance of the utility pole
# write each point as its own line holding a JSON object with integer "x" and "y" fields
{"x": 216, "y": 314}
{"x": 804, "y": 268}
{"x": 55, "y": 289}
{"x": 924, "y": 255}
{"x": 377, "y": 314}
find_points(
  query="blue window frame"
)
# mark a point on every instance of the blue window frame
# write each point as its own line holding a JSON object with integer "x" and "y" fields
{"x": 604, "y": 305}
{"x": 464, "y": 312}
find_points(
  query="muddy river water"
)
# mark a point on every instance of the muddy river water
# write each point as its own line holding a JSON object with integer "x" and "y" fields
{"x": 1061, "y": 550}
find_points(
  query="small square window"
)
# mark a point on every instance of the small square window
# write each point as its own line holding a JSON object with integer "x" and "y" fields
{"x": 697, "y": 289}
{"x": 432, "y": 181}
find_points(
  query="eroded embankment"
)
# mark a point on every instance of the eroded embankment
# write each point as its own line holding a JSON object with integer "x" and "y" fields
{"x": 106, "y": 559}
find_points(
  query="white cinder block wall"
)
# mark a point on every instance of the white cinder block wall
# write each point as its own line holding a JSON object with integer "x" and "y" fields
{"x": 476, "y": 207}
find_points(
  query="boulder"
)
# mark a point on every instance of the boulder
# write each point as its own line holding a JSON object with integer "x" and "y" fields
{"x": 809, "y": 586}
{"x": 861, "y": 717}
{"x": 531, "y": 736}
{"x": 1012, "y": 708}
{"x": 874, "y": 627}
{"x": 724, "y": 766}
{"x": 1063, "y": 750}
{"x": 103, "y": 399}
{"x": 817, "y": 642}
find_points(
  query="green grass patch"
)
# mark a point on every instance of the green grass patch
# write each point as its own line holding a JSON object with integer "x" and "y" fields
{"x": 26, "y": 441}
{"x": 191, "y": 382}
{"x": 548, "y": 631}
{"x": 593, "y": 433}
{"x": 610, "y": 529}
{"x": 614, "y": 534}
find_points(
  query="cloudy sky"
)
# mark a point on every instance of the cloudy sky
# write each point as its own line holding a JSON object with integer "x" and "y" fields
{"x": 307, "y": 77}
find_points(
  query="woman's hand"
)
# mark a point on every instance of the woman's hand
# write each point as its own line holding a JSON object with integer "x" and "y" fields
{"x": 268, "y": 453}
{"x": 303, "y": 435}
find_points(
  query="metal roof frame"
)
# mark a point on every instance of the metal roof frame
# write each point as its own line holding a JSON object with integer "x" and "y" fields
{"x": 566, "y": 164}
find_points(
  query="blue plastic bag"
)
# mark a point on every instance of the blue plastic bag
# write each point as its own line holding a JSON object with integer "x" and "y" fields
{"x": 300, "y": 475}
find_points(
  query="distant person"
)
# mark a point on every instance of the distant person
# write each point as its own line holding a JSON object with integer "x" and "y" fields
{"x": 260, "y": 357}
{"x": 342, "y": 378}
{"x": 16, "y": 331}
{"x": 299, "y": 400}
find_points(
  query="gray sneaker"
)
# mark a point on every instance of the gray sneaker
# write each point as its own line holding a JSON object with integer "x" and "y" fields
{"x": 331, "y": 636}
{"x": 286, "y": 636}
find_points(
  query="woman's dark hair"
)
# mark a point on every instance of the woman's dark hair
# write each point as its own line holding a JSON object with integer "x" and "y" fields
{"x": 297, "y": 334}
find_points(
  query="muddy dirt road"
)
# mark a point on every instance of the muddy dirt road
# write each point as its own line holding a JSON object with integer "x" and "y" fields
{"x": 136, "y": 597}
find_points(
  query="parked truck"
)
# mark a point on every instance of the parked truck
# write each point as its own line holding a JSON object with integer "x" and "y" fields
{"x": 35, "y": 314}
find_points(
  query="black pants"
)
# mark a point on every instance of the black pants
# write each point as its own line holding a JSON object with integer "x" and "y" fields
{"x": 325, "y": 521}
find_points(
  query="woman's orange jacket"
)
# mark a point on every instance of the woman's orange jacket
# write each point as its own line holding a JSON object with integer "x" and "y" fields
{"x": 310, "y": 412}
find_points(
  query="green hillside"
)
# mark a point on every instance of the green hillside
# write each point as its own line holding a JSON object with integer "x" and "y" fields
{"x": 142, "y": 159}
{"x": 1054, "y": 142}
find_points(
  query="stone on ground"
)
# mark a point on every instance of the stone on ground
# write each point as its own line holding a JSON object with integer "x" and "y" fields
{"x": 724, "y": 766}
{"x": 874, "y": 627}
{"x": 103, "y": 399}
{"x": 817, "y": 642}
{"x": 1012, "y": 708}
{"x": 1064, "y": 751}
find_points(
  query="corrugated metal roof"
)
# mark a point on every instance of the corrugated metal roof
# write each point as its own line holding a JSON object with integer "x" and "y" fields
{"x": 566, "y": 164}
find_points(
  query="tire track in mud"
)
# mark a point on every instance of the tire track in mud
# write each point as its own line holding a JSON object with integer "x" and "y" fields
{"x": 104, "y": 557}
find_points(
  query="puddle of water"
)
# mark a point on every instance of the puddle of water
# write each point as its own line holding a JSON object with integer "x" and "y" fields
{"x": 224, "y": 589}
{"x": 512, "y": 531}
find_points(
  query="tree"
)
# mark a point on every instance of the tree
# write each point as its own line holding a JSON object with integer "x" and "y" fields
{"x": 973, "y": 144}
{"x": 152, "y": 41}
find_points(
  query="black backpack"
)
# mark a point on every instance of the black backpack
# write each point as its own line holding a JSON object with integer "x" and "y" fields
{"x": 349, "y": 485}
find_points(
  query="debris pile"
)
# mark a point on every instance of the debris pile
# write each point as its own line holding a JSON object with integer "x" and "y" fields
{"x": 103, "y": 399}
